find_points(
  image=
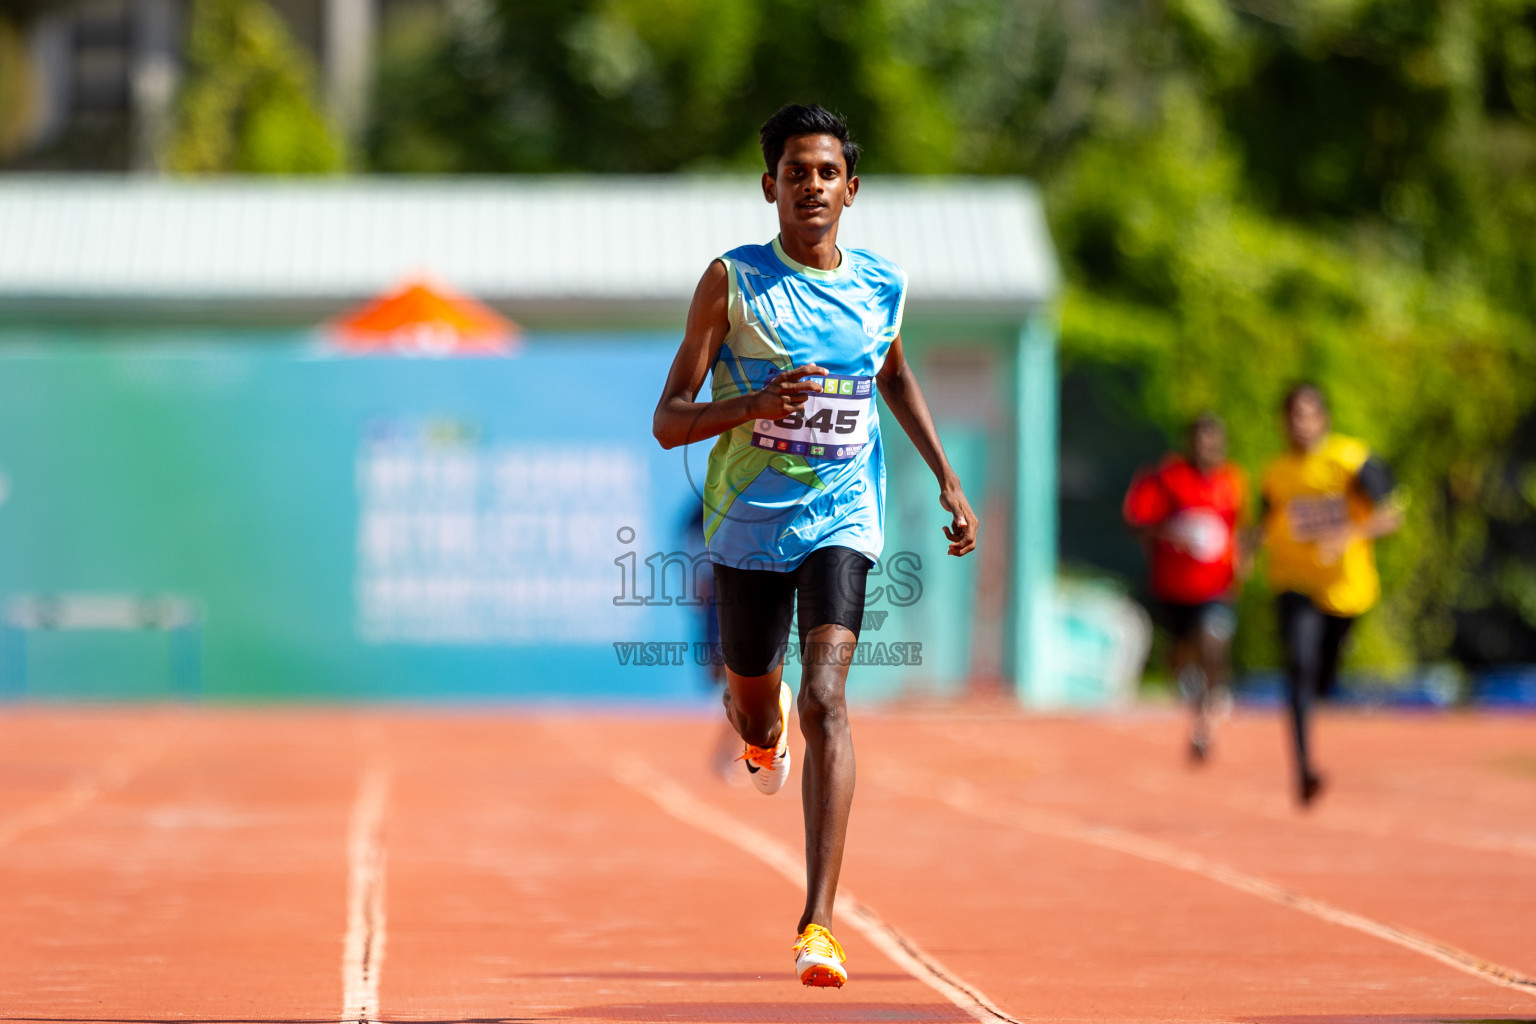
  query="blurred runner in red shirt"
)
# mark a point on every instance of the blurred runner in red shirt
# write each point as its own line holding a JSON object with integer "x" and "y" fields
{"x": 1187, "y": 512}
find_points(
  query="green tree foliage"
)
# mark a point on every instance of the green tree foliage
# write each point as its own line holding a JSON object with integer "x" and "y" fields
{"x": 648, "y": 86}
{"x": 662, "y": 85}
{"x": 1245, "y": 192}
{"x": 248, "y": 102}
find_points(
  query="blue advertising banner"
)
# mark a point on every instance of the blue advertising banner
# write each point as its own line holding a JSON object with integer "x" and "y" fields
{"x": 255, "y": 519}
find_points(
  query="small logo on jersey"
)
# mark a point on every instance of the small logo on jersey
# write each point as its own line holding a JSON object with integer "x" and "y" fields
{"x": 845, "y": 387}
{"x": 874, "y": 322}
{"x": 766, "y": 442}
{"x": 829, "y": 386}
{"x": 783, "y": 446}
{"x": 861, "y": 388}
{"x": 817, "y": 449}
{"x": 842, "y": 452}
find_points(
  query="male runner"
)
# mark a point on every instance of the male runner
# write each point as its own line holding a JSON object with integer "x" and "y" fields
{"x": 1324, "y": 502}
{"x": 799, "y": 334}
{"x": 1187, "y": 512}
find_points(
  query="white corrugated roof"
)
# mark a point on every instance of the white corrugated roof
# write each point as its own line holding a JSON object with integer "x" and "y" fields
{"x": 589, "y": 239}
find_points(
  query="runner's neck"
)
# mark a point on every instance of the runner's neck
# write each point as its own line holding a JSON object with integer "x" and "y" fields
{"x": 838, "y": 261}
{"x": 822, "y": 255}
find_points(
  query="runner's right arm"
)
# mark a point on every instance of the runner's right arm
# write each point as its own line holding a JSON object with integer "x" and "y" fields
{"x": 1146, "y": 509}
{"x": 681, "y": 420}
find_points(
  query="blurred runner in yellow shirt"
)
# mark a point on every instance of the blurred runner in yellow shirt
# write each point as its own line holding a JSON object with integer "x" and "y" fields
{"x": 1325, "y": 502}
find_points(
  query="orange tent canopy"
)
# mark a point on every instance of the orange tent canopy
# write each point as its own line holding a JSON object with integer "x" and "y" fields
{"x": 421, "y": 319}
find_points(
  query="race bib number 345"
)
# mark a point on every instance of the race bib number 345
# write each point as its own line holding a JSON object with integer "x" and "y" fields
{"x": 832, "y": 424}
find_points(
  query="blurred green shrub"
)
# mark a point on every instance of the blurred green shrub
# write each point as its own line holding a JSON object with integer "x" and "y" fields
{"x": 248, "y": 104}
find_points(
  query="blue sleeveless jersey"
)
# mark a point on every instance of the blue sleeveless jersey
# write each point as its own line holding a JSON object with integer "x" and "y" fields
{"x": 777, "y": 490}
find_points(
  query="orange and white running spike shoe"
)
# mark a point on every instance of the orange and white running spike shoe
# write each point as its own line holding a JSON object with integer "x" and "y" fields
{"x": 769, "y": 768}
{"x": 819, "y": 959}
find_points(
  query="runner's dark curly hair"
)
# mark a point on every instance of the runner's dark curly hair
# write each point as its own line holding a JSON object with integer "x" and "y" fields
{"x": 1300, "y": 390}
{"x": 798, "y": 119}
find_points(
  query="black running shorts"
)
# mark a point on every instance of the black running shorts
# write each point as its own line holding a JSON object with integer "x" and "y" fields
{"x": 755, "y": 605}
{"x": 1184, "y": 621}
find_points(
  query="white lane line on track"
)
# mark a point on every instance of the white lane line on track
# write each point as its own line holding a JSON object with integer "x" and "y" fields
{"x": 362, "y": 957}
{"x": 906, "y": 954}
{"x": 1373, "y": 825}
{"x": 963, "y": 796}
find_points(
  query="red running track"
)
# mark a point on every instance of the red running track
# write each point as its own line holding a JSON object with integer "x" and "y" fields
{"x": 302, "y": 865}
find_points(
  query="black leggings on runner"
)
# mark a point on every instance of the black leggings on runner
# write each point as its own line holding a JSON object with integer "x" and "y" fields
{"x": 1313, "y": 641}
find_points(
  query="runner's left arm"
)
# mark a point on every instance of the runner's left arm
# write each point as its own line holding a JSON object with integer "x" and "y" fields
{"x": 898, "y": 386}
{"x": 1374, "y": 482}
